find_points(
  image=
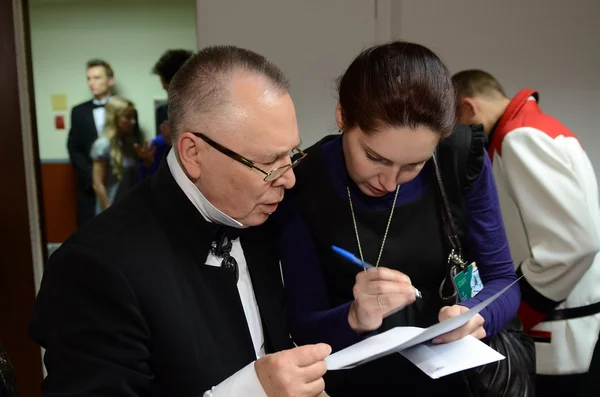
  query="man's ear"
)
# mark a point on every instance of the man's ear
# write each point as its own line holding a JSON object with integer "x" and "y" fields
{"x": 468, "y": 110}
{"x": 111, "y": 81}
{"x": 188, "y": 150}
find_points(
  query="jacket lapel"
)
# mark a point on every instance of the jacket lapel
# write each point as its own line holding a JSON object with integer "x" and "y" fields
{"x": 89, "y": 118}
{"x": 265, "y": 274}
{"x": 208, "y": 295}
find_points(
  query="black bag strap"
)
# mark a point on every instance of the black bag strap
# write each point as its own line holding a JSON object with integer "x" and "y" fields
{"x": 447, "y": 220}
{"x": 455, "y": 257}
{"x": 447, "y": 291}
{"x": 453, "y": 173}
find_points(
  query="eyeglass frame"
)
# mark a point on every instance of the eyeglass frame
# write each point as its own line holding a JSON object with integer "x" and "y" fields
{"x": 249, "y": 163}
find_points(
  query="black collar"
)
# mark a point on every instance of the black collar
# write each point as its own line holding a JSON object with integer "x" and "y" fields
{"x": 178, "y": 212}
{"x": 491, "y": 134}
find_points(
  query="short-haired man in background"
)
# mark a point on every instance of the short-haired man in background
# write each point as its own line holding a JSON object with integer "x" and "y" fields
{"x": 549, "y": 200}
{"x": 165, "y": 68}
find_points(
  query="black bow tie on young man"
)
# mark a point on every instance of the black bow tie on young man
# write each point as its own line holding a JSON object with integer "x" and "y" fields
{"x": 98, "y": 105}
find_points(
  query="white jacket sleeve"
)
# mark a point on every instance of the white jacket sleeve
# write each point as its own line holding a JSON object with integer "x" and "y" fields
{"x": 243, "y": 383}
{"x": 547, "y": 178}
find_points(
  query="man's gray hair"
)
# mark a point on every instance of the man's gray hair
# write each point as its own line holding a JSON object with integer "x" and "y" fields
{"x": 200, "y": 86}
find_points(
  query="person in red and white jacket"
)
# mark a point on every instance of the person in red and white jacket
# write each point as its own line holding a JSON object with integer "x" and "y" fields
{"x": 549, "y": 201}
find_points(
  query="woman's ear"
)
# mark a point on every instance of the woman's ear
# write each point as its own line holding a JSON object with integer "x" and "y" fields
{"x": 339, "y": 119}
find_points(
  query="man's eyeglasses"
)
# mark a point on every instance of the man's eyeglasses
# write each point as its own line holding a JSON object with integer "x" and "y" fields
{"x": 270, "y": 176}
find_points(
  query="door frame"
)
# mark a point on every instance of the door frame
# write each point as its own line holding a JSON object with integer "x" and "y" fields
{"x": 22, "y": 243}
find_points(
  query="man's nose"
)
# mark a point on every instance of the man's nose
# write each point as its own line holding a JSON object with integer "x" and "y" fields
{"x": 287, "y": 180}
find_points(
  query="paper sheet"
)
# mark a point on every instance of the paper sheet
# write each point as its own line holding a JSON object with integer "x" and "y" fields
{"x": 441, "y": 360}
{"x": 401, "y": 338}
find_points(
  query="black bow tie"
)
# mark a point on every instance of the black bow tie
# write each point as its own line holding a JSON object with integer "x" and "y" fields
{"x": 98, "y": 105}
{"x": 225, "y": 234}
{"x": 223, "y": 246}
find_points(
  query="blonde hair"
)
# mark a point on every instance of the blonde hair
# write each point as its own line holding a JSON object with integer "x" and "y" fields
{"x": 119, "y": 144}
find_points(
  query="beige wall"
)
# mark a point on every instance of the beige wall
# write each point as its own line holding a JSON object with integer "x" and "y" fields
{"x": 312, "y": 41}
{"x": 549, "y": 45}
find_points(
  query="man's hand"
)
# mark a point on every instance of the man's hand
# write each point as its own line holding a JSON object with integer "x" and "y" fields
{"x": 474, "y": 327}
{"x": 296, "y": 372}
{"x": 378, "y": 292}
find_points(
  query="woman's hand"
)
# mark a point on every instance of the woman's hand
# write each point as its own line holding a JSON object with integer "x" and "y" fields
{"x": 145, "y": 152}
{"x": 474, "y": 327}
{"x": 378, "y": 292}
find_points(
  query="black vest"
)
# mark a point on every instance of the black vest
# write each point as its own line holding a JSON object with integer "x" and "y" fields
{"x": 415, "y": 245}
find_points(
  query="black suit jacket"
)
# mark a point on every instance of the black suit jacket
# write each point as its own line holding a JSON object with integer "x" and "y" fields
{"x": 127, "y": 306}
{"x": 82, "y": 135}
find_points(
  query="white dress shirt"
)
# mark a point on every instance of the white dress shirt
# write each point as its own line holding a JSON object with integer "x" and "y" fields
{"x": 245, "y": 381}
{"x": 100, "y": 114}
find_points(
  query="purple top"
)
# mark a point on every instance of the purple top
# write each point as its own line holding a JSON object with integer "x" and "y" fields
{"x": 312, "y": 319}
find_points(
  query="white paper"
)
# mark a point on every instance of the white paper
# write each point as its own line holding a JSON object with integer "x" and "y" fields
{"x": 371, "y": 348}
{"x": 441, "y": 360}
{"x": 400, "y": 338}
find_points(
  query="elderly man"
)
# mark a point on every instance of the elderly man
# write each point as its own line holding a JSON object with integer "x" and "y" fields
{"x": 176, "y": 290}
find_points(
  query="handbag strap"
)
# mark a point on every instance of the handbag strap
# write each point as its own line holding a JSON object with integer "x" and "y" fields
{"x": 447, "y": 219}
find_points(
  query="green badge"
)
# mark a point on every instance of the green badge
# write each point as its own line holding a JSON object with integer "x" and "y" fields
{"x": 468, "y": 283}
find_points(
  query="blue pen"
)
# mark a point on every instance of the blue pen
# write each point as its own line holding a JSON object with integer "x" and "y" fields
{"x": 350, "y": 257}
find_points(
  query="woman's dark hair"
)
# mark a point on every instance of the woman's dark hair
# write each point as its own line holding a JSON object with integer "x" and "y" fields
{"x": 398, "y": 84}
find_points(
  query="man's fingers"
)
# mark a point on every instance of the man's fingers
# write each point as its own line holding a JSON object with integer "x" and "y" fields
{"x": 315, "y": 388}
{"x": 314, "y": 371}
{"x": 304, "y": 356}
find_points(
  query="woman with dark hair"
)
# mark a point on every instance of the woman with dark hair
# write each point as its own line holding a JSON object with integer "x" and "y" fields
{"x": 372, "y": 191}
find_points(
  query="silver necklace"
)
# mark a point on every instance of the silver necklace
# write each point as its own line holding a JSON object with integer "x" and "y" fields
{"x": 387, "y": 228}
